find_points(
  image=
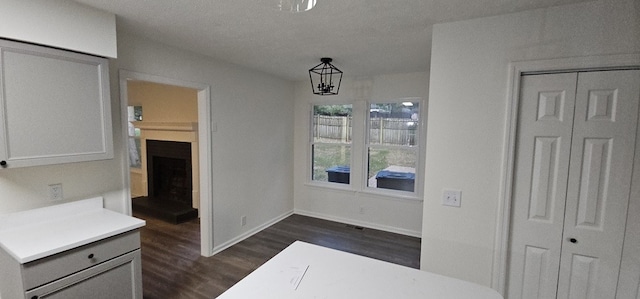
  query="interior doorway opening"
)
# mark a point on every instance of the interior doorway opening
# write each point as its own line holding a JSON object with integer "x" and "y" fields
{"x": 183, "y": 121}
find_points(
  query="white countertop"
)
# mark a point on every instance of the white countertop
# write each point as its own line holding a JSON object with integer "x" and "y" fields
{"x": 303, "y": 270}
{"x": 38, "y": 233}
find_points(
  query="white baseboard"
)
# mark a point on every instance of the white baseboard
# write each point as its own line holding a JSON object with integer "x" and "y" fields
{"x": 386, "y": 228}
{"x": 250, "y": 233}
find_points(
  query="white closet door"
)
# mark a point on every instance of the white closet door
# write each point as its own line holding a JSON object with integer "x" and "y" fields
{"x": 542, "y": 165}
{"x": 574, "y": 160}
{"x": 601, "y": 164}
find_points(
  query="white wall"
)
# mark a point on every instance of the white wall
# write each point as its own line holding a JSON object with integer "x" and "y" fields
{"x": 61, "y": 23}
{"x": 253, "y": 112}
{"x": 253, "y": 141}
{"x": 75, "y": 27}
{"x": 467, "y": 117}
{"x": 381, "y": 212}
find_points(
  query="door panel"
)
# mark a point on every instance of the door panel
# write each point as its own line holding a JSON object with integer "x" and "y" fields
{"x": 599, "y": 183}
{"x": 536, "y": 272}
{"x": 582, "y": 286}
{"x": 594, "y": 181}
{"x": 543, "y": 178}
{"x": 542, "y": 165}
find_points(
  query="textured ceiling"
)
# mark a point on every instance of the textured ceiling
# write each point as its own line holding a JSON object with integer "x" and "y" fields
{"x": 364, "y": 37}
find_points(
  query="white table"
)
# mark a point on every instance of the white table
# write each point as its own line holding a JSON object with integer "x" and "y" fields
{"x": 328, "y": 273}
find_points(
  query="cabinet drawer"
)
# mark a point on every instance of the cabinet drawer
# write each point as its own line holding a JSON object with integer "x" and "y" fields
{"x": 47, "y": 269}
{"x": 116, "y": 278}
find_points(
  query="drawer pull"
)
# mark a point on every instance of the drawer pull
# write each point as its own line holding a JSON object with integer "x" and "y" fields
{"x": 91, "y": 255}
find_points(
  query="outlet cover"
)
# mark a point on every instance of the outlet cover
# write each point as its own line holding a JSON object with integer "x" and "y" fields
{"x": 55, "y": 191}
{"x": 451, "y": 198}
{"x": 243, "y": 220}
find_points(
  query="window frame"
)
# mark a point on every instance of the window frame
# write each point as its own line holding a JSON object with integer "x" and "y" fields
{"x": 417, "y": 148}
{"x": 360, "y": 145}
{"x": 312, "y": 143}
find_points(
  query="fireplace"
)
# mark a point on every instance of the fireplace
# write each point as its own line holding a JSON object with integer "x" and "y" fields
{"x": 169, "y": 182}
{"x": 169, "y": 170}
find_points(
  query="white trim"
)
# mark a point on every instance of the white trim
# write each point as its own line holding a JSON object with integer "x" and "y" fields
{"x": 124, "y": 123}
{"x": 204, "y": 142}
{"x": 250, "y": 233}
{"x": 516, "y": 69}
{"x": 391, "y": 229}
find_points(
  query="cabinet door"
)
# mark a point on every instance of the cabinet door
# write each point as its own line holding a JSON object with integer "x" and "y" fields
{"x": 116, "y": 278}
{"x": 54, "y": 106}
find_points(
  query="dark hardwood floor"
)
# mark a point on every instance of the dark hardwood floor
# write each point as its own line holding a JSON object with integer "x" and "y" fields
{"x": 173, "y": 268}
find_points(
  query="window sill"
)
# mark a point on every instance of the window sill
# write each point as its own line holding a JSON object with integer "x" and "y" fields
{"x": 388, "y": 193}
{"x": 331, "y": 186}
{"x": 384, "y": 193}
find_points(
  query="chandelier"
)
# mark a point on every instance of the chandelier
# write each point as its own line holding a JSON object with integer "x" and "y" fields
{"x": 326, "y": 77}
{"x": 289, "y": 5}
{"x": 296, "y": 5}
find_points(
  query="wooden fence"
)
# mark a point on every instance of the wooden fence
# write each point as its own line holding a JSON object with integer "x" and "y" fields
{"x": 387, "y": 131}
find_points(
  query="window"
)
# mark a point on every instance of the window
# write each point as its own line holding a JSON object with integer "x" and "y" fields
{"x": 386, "y": 153}
{"x": 392, "y": 151}
{"x": 331, "y": 143}
{"x": 134, "y": 114}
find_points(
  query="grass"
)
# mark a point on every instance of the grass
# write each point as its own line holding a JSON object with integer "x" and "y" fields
{"x": 329, "y": 155}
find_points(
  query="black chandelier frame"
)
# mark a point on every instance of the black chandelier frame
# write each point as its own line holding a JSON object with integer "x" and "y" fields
{"x": 326, "y": 76}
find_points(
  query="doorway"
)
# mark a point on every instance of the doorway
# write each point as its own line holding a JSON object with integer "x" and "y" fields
{"x": 201, "y": 150}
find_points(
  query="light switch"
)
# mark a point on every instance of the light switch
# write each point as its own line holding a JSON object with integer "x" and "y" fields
{"x": 451, "y": 198}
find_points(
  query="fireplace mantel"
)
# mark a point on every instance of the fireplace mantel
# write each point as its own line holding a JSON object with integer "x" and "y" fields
{"x": 167, "y": 126}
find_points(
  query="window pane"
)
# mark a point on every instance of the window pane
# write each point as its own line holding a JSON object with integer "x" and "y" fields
{"x": 392, "y": 168}
{"x": 394, "y": 123}
{"x": 332, "y": 123}
{"x": 331, "y": 163}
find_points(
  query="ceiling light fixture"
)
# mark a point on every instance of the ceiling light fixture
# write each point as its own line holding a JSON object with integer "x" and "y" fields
{"x": 291, "y": 5}
{"x": 326, "y": 75}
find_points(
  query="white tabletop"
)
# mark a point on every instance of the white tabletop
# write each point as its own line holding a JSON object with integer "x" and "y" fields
{"x": 37, "y": 233}
{"x": 321, "y": 272}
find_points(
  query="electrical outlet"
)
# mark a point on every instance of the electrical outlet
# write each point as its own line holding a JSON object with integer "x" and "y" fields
{"x": 451, "y": 198}
{"x": 55, "y": 191}
{"x": 362, "y": 210}
{"x": 243, "y": 220}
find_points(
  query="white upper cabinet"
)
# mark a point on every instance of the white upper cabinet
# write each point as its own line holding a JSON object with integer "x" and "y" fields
{"x": 55, "y": 106}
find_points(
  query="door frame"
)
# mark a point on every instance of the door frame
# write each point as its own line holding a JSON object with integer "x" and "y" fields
{"x": 516, "y": 70}
{"x": 204, "y": 147}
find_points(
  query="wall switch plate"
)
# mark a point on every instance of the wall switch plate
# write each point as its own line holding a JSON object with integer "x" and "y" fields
{"x": 451, "y": 198}
{"x": 55, "y": 191}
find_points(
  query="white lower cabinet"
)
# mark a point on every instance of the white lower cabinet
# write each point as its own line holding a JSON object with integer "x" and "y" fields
{"x": 108, "y": 268}
{"x": 72, "y": 250}
{"x": 116, "y": 278}
{"x": 105, "y": 272}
